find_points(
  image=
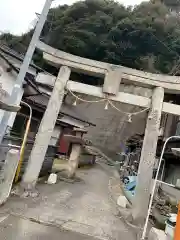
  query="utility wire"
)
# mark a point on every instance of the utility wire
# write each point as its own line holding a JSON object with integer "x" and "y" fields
{"x": 176, "y": 67}
{"x": 169, "y": 49}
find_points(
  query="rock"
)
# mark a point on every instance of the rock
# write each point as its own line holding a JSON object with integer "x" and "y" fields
{"x": 34, "y": 194}
{"x": 25, "y": 194}
{"x": 122, "y": 201}
{"x": 52, "y": 179}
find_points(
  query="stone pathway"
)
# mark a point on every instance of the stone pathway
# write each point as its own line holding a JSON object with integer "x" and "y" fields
{"x": 16, "y": 228}
{"x": 84, "y": 207}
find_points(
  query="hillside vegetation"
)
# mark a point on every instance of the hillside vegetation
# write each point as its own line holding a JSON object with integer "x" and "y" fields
{"x": 145, "y": 37}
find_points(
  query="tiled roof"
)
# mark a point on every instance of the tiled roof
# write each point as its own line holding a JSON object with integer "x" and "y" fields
{"x": 42, "y": 99}
{"x": 10, "y": 52}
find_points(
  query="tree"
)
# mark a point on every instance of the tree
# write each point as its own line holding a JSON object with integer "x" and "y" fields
{"x": 173, "y": 4}
{"x": 18, "y": 43}
{"x": 169, "y": 3}
{"x": 145, "y": 37}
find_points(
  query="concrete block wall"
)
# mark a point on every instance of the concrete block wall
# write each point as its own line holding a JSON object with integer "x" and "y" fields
{"x": 112, "y": 129}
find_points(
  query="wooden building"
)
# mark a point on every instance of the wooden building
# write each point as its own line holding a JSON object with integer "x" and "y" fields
{"x": 36, "y": 93}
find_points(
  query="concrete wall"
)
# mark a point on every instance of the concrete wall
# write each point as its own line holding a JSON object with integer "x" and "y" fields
{"x": 112, "y": 129}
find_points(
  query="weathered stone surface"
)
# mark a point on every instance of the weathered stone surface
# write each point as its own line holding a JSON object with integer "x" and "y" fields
{"x": 112, "y": 81}
{"x": 112, "y": 129}
{"x": 147, "y": 160}
{"x": 74, "y": 160}
{"x": 96, "y": 68}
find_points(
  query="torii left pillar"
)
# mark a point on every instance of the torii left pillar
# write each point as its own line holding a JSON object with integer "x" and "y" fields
{"x": 45, "y": 131}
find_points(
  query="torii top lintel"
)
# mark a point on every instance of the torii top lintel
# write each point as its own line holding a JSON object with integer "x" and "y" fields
{"x": 171, "y": 84}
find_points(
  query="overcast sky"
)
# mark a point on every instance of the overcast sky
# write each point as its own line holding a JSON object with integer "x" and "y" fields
{"x": 16, "y": 16}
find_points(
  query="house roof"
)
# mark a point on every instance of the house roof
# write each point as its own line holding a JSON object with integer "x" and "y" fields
{"x": 41, "y": 99}
{"x": 4, "y": 53}
{"x": 10, "y": 52}
{"x": 66, "y": 109}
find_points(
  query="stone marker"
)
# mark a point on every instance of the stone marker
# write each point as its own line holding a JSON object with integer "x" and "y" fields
{"x": 77, "y": 143}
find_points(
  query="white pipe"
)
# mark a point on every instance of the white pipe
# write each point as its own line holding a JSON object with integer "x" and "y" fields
{"x": 13, "y": 146}
{"x": 154, "y": 188}
{"x": 168, "y": 184}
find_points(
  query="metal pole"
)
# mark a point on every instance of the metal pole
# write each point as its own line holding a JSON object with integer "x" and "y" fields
{"x": 24, "y": 142}
{"x": 24, "y": 67}
{"x": 154, "y": 187}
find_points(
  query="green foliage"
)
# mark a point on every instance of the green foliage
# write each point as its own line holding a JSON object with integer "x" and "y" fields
{"x": 146, "y": 37}
{"x": 172, "y": 3}
{"x": 18, "y": 43}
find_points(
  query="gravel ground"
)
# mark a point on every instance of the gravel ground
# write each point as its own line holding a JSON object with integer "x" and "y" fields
{"x": 84, "y": 207}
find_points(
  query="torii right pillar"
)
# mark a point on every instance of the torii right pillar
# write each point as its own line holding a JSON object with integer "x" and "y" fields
{"x": 147, "y": 160}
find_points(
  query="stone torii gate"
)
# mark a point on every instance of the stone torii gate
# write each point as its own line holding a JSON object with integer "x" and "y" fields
{"x": 114, "y": 77}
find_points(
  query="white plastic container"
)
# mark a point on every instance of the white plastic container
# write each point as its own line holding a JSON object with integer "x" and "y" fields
{"x": 170, "y": 226}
